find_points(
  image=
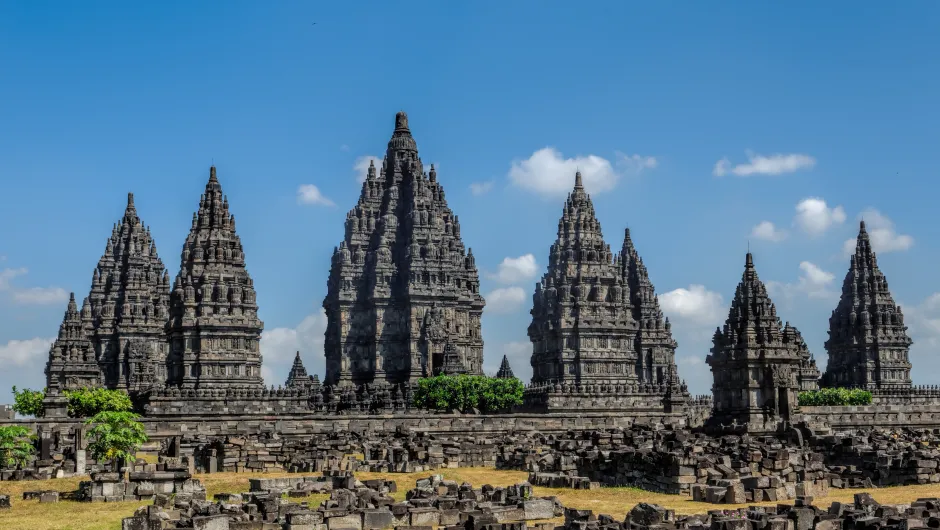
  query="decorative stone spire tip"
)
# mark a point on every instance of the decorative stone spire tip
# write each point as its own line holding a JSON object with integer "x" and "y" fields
{"x": 401, "y": 121}
{"x": 577, "y": 181}
{"x": 212, "y": 177}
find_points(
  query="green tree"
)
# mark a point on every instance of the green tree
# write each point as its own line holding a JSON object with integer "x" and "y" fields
{"x": 16, "y": 446}
{"x": 88, "y": 402}
{"x": 28, "y": 402}
{"x": 116, "y": 436}
{"x": 834, "y": 397}
{"x": 467, "y": 392}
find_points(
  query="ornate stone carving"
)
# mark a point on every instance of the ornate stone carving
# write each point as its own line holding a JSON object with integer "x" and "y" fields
{"x": 756, "y": 360}
{"x": 214, "y": 333}
{"x": 403, "y": 276}
{"x": 868, "y": 342}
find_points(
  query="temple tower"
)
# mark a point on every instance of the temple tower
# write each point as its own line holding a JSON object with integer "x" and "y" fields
{"x": 298, "y": 377}
{"x": 128, "y": 307}
{"x": 868, "y": 342}
{"x": 71, "y": 364}
{"x": 756, "y": 360}
{"x": 402, "y": 289}
{"x": 214, "y": 332}
{"x": 655, "y": 348}
{"x": 505, "y": 371}
{"x": 583, "y": 329}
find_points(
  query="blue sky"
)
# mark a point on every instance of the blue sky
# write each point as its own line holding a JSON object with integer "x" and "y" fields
{"x": 693, "y": 123}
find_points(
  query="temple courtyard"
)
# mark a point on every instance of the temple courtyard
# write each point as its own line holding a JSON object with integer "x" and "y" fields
{"x": 74, "y": 515}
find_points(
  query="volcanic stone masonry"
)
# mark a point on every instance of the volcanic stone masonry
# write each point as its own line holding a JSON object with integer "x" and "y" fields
{"x": 403, "y": 295}
{"x": 214, "y": 331}
{"x": 868, "y": 341}
{"x": 123, "y": 317}
{"x": 596, "y": 322}
{"x": 758, "y": 365}
{"x": 403, "y": 302}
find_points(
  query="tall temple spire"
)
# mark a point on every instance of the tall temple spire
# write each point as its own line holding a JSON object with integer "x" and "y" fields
{"x": 582, "y": 327}
{"x": 126, "y": 309}
{"x": 757, "y": 361}
{"x": 71, "y": 364}
{"x": 214, "y": 331}
{"x": 868, "y": 342}
{"x": 655, "y": 346}
{"x": 401, "y": 266}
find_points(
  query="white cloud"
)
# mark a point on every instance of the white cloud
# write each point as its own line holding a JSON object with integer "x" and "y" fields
{"x": 884, "y": 238}
{"x": 776, "y": 164}
{"x": 40, "y": 295}
{"x": 7, "y": 275}
{"x": 923, "y": 321}
{"x": 636, "y": 163}
{"x": 814, "y": 216}
{"x": 514, "y": 270}
{"x": 548, "y": 173}
{"x": 505, "y": 299}
{"x": 814, "y": 282}
{"x": 278, "y": 346}
{"x": 361, "y": 166}
{"x": 696, "y": 304}
{"x": 310, "y": 194}
{"x": 690, "y": 360}
{"x": 30, "y": 295}
{"x": 481, "y": 188}
{"x": 768, "y": 232}
{"x": 25, "y": 352}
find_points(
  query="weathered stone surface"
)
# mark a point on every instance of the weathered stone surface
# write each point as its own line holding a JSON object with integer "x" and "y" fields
{"x": 868, "y": 341}
{"x": 214, "y": 331}
{"x": 597, "y": 329}
{"x": 5, "y": 502}
{"x": 401, "y": 273}
{"x": 756, "y": 361}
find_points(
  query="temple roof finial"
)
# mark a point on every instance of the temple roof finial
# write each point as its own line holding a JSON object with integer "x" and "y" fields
{"x": 577, "y": 181}
{"x": 401, "y": 121}
{"x": 212, "y": 177}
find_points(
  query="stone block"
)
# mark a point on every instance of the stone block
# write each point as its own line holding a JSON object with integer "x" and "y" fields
{"x": 49, "y": 496}
{"x": 213, "y": 522}
{"x": 535, "y": 509}
{"x": 345, "y": 522}
{"x": 5, "y": 502}
{"x": 377, "y": 519}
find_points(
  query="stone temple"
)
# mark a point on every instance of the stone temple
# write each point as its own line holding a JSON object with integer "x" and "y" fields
{"x": 403, "y": 298}
{"x": 596, "y": 322}
{"x": 403, "y": 302}
{"x": 126, "y": 310}
{"x": 758, "y": 363}
{"x": 214, "y": 332}
{"x": 868, "y": 341}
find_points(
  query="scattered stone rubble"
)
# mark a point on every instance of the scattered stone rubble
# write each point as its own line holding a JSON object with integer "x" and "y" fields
{"x": 352, "y": 505}
{"x": 143, "y": 482}
{"x": 863, "y": 514}
{"x": 738, "y": 468}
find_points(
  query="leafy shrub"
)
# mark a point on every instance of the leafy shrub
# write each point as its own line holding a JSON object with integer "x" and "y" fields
{"x": 88, "y": 402}
{"x": 467, "y": 392}
{"x": 834, "y": 397}
{"x": 28, "y": 402}
{"x": 116, "y": 436}
{"x": 16, "y": 446}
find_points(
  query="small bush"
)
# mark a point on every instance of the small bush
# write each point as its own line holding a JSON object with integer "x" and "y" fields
{"x": 116, "y": 436}
{"x": 28, "y": 402}
{"x": 16, "y": 446}
{"x": 88, "y": 402}
{"x": 467, "y": 392}
{"x": 834, "y": 397}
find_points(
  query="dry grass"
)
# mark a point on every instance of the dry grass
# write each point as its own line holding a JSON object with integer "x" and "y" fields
{"x": 29, "y": 515}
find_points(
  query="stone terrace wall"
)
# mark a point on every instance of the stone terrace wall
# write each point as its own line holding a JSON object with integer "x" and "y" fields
{"x": 882, "y": 416}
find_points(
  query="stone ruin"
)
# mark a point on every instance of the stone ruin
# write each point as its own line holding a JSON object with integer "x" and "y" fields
{"x": 439, "y": 503}
{"x": 142, "y": 482}
{"x": 354, "y": 505}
